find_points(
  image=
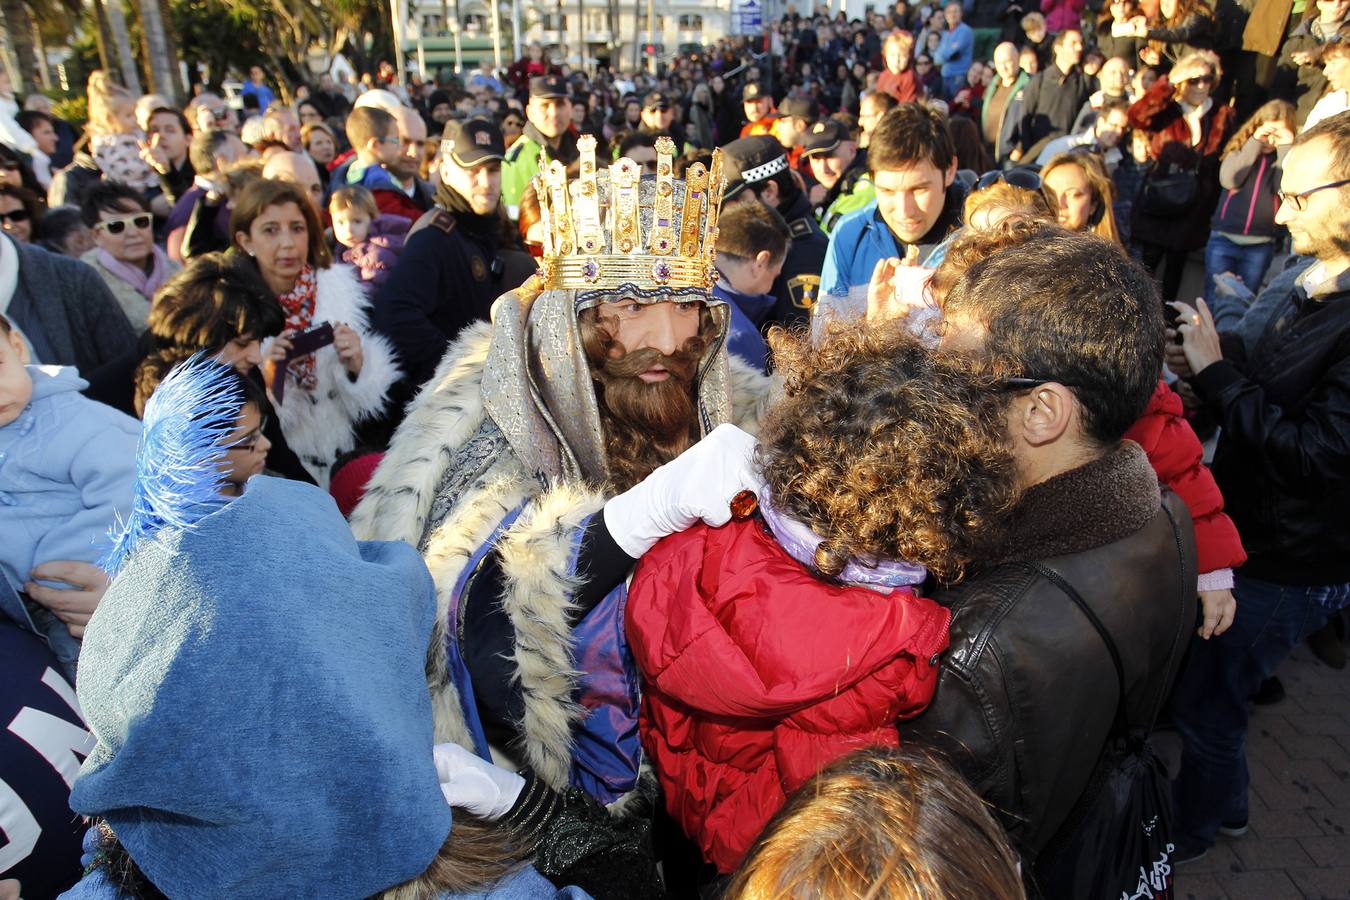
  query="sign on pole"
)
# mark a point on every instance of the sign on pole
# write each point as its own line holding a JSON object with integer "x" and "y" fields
{"x": 747, "y": 16}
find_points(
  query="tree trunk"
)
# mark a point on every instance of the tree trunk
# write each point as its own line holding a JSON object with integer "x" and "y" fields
{"x": 19, "y": 28}
{"x": 160, "y": 66}
{"x": 175, "y": 53}
{"x": 44, "y": 71}
{"x": 126, "y": 62}
{"x": 102, "y": 36}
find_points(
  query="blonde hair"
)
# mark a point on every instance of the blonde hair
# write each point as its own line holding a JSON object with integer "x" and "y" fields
{"x": 354, "y": 196}
{"x": 1103, "y": 190}
{"x": 105, "y": 98}
{"x": 898, "y": 38}
{"x": 897, "y": 824}
{"x": 1033, "y": 21}
{"x": 1010, "y": 199}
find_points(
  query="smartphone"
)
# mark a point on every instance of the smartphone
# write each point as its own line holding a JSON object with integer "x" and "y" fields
{"x": 303, "y": 343}
{"x": 1172, "y": 316}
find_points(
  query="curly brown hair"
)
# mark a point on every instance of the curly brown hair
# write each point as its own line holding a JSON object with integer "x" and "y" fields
{"x": 887, "y": 450}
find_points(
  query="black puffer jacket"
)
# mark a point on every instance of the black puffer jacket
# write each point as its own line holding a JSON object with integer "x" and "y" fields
{"x": 1027, "y": 693}
{"x": 1283, "y": 459}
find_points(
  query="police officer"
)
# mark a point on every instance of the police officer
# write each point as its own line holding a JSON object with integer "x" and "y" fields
{"x": 757, "y": 171}
{"x": 840, "y": 170}
{"x": 658, "y": 115}
{"x": 455, "y": 262}
{"x": 760, "y": 116}
{"x": 548, "y": 129}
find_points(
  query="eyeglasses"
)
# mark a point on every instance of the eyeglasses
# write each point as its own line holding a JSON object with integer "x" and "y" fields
{"x": 395, "y": 140}
{"x": 1299, "y": 201}
{"x": 14, "y": 215}
{"x": 117, "y": 226}
{"x": 249, "y": 442}
{"x": 1020, "y": 178}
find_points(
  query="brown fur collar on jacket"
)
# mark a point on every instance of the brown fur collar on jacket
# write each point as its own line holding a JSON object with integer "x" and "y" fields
{"x": 535, "y": 551}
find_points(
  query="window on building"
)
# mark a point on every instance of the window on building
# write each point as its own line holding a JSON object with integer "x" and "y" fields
{"x": 431, "y": 24}
{"x": 691, "y": 22}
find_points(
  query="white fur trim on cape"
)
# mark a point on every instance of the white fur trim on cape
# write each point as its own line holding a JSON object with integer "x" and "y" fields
{"x": 319, "y": 425}
{"x": 536, "y": 552}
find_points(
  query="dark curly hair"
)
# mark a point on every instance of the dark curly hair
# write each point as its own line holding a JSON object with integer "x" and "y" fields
{"x": 887, "y": 450}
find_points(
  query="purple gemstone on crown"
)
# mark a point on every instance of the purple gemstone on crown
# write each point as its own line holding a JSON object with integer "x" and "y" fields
{"x": 661, "y": 272}
{"x": 591, "y": 270}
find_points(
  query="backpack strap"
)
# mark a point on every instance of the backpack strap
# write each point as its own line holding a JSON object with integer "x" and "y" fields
{"x": 1122, "y": 721}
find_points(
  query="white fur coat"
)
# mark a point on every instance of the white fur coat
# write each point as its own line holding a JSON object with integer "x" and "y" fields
{"x": 320, "y": 425}
{"x": 535, "y": 551}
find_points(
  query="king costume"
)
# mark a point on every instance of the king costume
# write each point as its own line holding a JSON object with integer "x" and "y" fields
{"x": 499, "y": 470}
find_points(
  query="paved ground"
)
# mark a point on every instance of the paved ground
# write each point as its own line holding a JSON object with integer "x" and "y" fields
{"x": 1299, "y": 754}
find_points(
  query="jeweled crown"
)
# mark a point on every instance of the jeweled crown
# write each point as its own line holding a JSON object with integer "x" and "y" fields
{"x": 610, "y": 228}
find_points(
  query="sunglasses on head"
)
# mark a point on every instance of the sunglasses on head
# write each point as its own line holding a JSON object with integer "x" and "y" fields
{"x": 117, "y": 226}
{"x": 1020, "y": 178}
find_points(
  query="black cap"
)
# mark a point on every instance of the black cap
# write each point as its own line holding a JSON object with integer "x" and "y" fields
{"x": 823, "y": 137}
{"x": 656, "y": 100}
{"x": 799, "y": 108}
{"x": 751, "y": 160}
{"x": 472, "y": 142}
{"x": 549, "y": 86}
{"x": 753, "y": 91}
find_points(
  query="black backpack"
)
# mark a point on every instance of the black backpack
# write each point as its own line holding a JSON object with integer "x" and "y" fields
{"x": 1116, "y": 843}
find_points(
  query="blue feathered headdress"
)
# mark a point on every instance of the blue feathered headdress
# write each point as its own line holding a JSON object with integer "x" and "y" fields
{"x": 186, "y": 421}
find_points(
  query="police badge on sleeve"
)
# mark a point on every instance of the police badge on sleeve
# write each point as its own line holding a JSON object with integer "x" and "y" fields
{"x": 804, "y": 290}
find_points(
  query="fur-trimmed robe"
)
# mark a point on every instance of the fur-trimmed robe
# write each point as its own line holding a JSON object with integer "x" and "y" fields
{"x": 536, "y": 550}
{"x": 320, "y": 425}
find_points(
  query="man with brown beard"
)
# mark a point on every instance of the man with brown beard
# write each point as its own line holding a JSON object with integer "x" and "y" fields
{"x": 608, "y": 364}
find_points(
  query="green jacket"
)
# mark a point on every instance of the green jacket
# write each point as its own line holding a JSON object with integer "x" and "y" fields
{"x": 520, "y": 167}
{"x": 856, "y": 190}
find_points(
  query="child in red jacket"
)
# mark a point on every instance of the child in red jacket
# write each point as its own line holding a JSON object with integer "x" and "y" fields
{"x": 771, "y": 646}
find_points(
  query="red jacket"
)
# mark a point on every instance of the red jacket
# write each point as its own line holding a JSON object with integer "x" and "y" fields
{"x": 1176, "y": 456}
{"x": 756, "y": 674}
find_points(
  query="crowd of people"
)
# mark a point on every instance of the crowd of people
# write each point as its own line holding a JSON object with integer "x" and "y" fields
{"x": 792, "y": 471}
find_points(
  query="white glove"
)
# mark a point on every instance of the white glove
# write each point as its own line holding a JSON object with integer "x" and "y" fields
{"x": 698, "y": 484}
{"x": 475, "y": 785}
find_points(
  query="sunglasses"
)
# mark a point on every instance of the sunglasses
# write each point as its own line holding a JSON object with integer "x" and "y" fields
{"x": 9, "y": 165}
{"x": 17, "y": 215}
{"x": 1026, "y": 384}
{"x": 117, "y": 226}
{"x": 1199, "y": 79}
{"x": 1019, "y": 178}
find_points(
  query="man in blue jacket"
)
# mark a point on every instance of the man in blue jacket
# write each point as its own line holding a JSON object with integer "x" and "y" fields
{"x": 955, "y": 51}
{"x": 913, "y": 168}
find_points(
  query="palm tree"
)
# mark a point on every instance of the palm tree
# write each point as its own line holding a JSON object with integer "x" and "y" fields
{"x": 19, "y": 28}
{"x": 126, "y": 63}
{"x": 161, "y": 64}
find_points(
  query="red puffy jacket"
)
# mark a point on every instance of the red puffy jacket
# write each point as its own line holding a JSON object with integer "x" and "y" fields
{"x": 756, "y": 674}
{"x": 1178, "y": 459}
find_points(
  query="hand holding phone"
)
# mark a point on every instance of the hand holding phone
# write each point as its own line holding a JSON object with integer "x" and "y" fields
{"x": 302, "y": 343}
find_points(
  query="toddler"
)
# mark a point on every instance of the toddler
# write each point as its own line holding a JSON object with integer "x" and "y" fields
{"x": 366, "y": 238}
{"x": 114, "y": 137}
{"x": 67, "y": 468}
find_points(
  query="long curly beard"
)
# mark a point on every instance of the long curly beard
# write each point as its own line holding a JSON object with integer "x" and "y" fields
{"x": 645, "y": 424}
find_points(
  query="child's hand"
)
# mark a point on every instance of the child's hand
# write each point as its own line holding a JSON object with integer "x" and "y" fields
{"x": 76, "y": 604}
{"x": 275, "y": 356}
{"x": 1218, "y": 607}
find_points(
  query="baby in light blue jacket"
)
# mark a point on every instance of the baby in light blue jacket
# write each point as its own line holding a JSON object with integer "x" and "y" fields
{"x": 67, "y": 469}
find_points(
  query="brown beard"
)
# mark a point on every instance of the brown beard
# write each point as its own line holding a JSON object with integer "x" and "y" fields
{"x": 645, "y": 424}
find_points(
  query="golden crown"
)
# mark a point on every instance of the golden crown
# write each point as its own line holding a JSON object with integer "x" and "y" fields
{"x": 607, "y": 229}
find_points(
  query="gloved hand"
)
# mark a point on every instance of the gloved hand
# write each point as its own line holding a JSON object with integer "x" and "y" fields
{"x": 698, "y": 484}
{"x": 474, "y": 784}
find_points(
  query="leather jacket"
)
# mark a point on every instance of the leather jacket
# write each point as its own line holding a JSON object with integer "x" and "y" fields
{"x": 1027, "y": 692}
{"x": 1283, "y": 458}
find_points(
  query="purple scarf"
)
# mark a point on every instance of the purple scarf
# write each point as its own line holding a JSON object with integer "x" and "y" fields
{"x": 145, "y": 285}
{"x": 800, "y": 542}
